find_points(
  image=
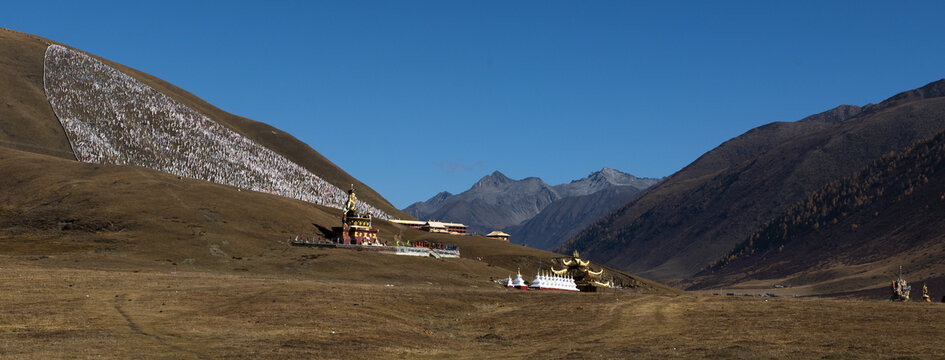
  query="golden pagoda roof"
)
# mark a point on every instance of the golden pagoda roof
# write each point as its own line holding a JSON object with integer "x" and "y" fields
{"x": 497, "y": 233}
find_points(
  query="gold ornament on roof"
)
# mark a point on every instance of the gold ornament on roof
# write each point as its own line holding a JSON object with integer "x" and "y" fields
{"x": 585, "y": 277}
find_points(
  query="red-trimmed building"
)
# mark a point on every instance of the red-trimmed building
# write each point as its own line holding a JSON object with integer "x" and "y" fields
{"x": 355, "y": 229}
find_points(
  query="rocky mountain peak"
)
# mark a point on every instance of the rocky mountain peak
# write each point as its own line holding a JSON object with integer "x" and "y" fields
{"x": 601, "y": 179}
{"x": 495, "y": 179}
{"x": 613, "y": 176}
{"x": 441, "y": 195}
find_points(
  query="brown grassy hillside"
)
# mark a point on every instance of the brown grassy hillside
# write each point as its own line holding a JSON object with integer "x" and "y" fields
{"x": 26, "y": 119}
{"x": 27, "y": 122}
{"x": 690, "y": 220}
{"x": 128, "y": 217}
{"x": 890, "y": 213}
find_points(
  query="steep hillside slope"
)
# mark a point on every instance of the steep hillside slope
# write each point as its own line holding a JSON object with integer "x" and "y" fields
{"x": 890, "y": 213}
{"x": 27, "y": 122}
{"x": 701, "y": 212}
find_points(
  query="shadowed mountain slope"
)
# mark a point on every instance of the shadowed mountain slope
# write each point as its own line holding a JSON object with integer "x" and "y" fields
{"x": 704, "y": 210}
{"x": 890, "y": 213}
{"x": 566, "y": 217}
{"x": 28, "y": 123}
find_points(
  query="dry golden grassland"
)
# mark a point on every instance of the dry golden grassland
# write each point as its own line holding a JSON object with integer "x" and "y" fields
{"x": 55, "y": 312}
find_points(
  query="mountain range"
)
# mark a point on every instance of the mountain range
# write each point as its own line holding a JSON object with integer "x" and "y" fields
{"x": 701, "y": 214}
{"x": 535, "y": 213}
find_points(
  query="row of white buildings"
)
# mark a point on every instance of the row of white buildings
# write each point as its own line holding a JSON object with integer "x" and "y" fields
{"x": 543, "y": 281}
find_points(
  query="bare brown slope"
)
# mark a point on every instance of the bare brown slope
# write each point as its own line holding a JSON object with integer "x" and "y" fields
{"x": 687, "y": 222}
{"x": 27, "y": 122}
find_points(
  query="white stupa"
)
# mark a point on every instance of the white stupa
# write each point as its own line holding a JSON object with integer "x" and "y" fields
{"x": 518, "y": 283}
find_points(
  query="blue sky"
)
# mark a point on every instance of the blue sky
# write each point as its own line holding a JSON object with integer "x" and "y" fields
{"x": 416, "y": 97}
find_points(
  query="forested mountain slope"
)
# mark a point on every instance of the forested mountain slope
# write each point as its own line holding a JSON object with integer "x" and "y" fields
{"x": 700, "y": 213}
{"x": 890, "y": 213}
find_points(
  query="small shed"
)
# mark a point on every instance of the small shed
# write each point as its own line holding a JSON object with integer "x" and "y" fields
{"x": 498, "y": 235}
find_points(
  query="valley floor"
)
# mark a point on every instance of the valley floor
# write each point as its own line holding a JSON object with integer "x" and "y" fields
{"x": 57, "y": 312}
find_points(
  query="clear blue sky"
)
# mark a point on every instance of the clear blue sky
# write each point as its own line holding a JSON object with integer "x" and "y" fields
{"x": 437, "y": 94}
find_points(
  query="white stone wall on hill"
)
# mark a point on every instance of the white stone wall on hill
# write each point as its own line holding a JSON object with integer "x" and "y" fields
{"x": 112, "y": 118}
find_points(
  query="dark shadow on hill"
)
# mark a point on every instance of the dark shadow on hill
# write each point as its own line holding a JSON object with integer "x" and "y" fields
{"x": 326, "y": 232}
